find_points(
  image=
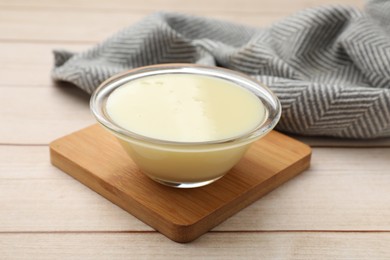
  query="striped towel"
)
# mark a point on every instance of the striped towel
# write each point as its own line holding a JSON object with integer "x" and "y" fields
{"x": 329, "y": 66}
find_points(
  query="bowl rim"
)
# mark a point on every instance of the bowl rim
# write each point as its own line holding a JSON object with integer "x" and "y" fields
{"x": 264, "y": 93}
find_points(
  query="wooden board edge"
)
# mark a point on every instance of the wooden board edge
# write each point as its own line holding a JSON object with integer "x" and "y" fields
{"x": 189, "y": 233}
{"x": 113, "y": 195}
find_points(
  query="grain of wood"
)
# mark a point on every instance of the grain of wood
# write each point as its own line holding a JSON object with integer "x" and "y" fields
{"x": 75, "y": 26}
{"x": 345, "y": 189}
{"x": 27, "y": 21}
{"x": 39, "y": 115}
{"x": 30, "y": 64}
{"x": 213, "y": 245}
{"x": 26, "y": 162}
{"x": 331, "y": 142}
{"x": 245, "y": 6}
{"x": 59, "y": 205}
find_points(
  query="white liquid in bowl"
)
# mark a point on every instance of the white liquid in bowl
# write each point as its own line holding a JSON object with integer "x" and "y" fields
{"x": 185, "y": 108}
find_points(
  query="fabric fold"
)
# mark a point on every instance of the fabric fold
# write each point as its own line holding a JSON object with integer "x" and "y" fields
{"x": 329, "y": 65}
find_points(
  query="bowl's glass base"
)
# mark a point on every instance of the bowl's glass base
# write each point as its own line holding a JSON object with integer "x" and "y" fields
{"x": 185, "y": 185}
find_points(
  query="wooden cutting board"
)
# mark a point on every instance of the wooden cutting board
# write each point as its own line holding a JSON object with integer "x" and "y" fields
{"x": 95, "y": 158}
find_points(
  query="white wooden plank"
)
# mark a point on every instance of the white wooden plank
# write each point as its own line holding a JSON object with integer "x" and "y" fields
{"x": 77, "y": 21}
{"x": 245, "y": 6}
{"x": 32, "y": 190}
{"x": 89, "y": 27}
{"x": 26, "y": 162}
{"x": 71, "y": 26}
{"x": 346, "y": 189}
{"x": 58, "y": 205}
{"x": 210, "y": 246}
{"x": 340, "y": 142}
{"x": 30, "y": 64}
{"x": 40, "y": 115}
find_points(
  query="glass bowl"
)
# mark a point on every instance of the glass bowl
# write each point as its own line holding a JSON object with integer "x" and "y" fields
{"x": 185, "y": 164}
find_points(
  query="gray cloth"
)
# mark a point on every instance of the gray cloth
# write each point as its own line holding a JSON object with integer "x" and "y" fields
{"x": 329, "y": 66}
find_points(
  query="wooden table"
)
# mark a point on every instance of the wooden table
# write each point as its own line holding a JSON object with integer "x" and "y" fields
{"x": 338, "y": 209}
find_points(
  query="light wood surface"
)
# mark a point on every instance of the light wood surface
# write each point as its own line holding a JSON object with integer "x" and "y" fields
{"x": 339, "y": 209}
{"x": 95, "y": 158}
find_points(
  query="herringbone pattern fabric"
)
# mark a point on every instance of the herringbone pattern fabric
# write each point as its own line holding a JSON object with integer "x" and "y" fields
{"x": 329, "y": 66}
